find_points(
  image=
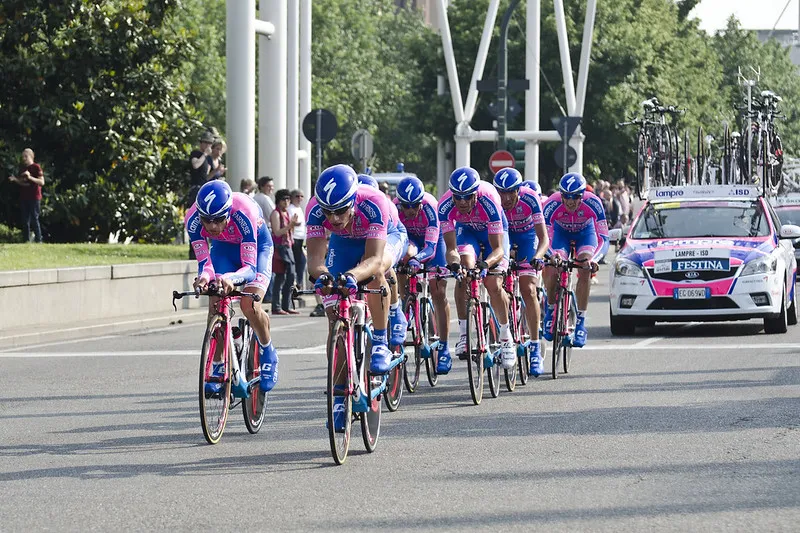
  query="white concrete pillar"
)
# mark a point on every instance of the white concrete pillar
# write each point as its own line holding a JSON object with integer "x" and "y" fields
{"x": 272, "y": 93}
{"x": 240, "y": 53}
{"x": 304, "y": 166}
{"x": 533, "y": 30}
{"x": 293, "y": 93}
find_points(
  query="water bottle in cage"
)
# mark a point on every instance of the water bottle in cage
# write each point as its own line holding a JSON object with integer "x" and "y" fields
{"x": 236, "y": 331}
{"x": 358, "y": 312}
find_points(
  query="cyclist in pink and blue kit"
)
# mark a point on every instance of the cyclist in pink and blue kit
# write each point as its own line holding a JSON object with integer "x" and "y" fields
{"x": 526, "y": 231}
{"x": 471, "y": 216}
{"x": 241, "y": 253}
{"x": 426, "y": 246}
{"x": 364, "y": 239}
{"x": 573, "y": 215}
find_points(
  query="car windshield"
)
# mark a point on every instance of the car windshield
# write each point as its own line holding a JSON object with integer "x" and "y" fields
{"x": 673, "y": 220}
{"x": 789, "y": 215}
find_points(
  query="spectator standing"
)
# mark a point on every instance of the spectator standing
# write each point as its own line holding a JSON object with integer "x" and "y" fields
{"x": 198, "y": 166}
{"x": 283, "y": 259}
{"x": 297, "y": 214}
{"x": 216, "y": 169}
{"x": 248, "y": 187}
{"x": 30, "y": 180}
{"x": 264, "y": 196}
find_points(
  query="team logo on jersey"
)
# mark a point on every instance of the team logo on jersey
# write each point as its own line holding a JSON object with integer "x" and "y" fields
{"x": 240, "y": 219}
{"x": 249, "y": 248}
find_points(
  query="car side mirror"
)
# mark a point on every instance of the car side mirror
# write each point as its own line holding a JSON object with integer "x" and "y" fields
{"x": 790, "y": 231}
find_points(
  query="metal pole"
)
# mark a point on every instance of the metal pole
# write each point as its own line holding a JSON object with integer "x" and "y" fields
{"x": 532, "y": 105}
{"x": 319, "y": 142}
{"x": 565, "y": 145}
{"x": 305, "y": 93}
{"x": 240, "y": 51}
{"x": 502, "y": 77}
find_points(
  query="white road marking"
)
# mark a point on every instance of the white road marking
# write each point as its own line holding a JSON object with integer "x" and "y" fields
{"x": 321, "y": 349}
{"x": 653, "y": 340}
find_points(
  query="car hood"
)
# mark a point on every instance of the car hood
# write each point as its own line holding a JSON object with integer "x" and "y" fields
{"x": 642, "y": 251}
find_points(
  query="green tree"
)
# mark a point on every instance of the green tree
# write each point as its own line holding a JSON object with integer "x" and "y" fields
{"x": 93, "y": 87}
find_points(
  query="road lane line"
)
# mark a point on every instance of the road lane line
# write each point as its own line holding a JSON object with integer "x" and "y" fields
{"x": 653, "y": 340}
{"x": 321, "y": 349}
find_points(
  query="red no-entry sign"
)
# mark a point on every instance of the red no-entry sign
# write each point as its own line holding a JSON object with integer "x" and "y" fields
{"x": 500, "y": 159}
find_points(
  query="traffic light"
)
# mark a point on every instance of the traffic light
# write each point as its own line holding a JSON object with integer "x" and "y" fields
{"x": 517, "y": 149}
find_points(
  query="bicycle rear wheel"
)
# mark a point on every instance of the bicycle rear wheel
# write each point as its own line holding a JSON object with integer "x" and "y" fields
{"x": 474, "y": 354}
{"x": 214, "y": 405}
{"x": 371, "y": 420}
{"x": 776, "y": 151}
{"x": 254, "y": 407}
{"x": 514, "y": 315}
{"x": 492, "y": 338}
{"x": 641, "y": 164}
{"x": 430, "y": 334}
{"x": 394, "y": 382}
{"x": 558, "y": 334}
{"x": 338, "y": 387}
{"x": 413, "y": 365}
{"x": 572, "y": 320}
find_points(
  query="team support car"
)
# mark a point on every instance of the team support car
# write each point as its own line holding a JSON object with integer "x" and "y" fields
{"x": 788, "y": 210}
{"x": 705, "y": 253}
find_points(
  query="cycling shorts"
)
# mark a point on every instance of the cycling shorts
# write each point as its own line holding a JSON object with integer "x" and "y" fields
{"x": 469, "y": 243}
{"x": 439, "y": 259}
{"x": 526, "y": 250}
{"x": 585, "y": 241}
{"x": 226, "y": 258}
{"x": 344, "y": 254}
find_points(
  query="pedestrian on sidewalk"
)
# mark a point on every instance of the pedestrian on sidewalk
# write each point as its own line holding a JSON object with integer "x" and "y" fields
{"x": 30, "y": 180}
{"x": 283, "y": 258}
{"x": 297, "y": 213}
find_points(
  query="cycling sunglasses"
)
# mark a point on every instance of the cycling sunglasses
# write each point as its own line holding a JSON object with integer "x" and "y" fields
{"x": 405, "y": 205}
{"x": 572, "y": 196}
{"x": 338, "y": 212}
{"x": 216, "y": 220}
{"x": 463, "y": 197}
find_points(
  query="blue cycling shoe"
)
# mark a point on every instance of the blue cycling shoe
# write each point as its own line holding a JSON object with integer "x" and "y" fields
{"x": 548, "y": 323}
{"x": 444, "y": 363}
{"x": 269, "y": 368}
{"x": 217, "y": 371}
{"x": 579, "y": 340}
{"x": 339, "y": 420}
{"x": 537, "y": 362}
{"x": 380, "y": 360}
{"x": 399, "y": 325}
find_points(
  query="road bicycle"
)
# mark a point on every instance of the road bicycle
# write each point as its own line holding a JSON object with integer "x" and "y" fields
{"x": 769, "y": 147}
{"x": 241, "y": 369}
{"x": 732, "y": 170}
{"x": 423, "y": 334}
{"x": 565, "y": 312}
{"x": 348, "y": 351}
{"x": 483, "y": 345}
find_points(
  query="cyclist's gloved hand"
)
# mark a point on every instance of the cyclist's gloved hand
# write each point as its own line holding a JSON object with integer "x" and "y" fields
{"x": 483, "y": 266}
{"x": 455, "y": 268}
{"x": 351, "y": 284}
{"x": 594, "y": 266}
{"x": 537, "y": 264}
{"x": 414, "y": 265}
{"x": 323, "y": 281}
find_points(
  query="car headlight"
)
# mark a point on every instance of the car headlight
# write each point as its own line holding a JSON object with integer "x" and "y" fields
{"x": 623, "y": 267}
{"x": 765, "y": 265}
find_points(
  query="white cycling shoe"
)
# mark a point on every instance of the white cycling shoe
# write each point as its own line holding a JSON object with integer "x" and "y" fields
{"x": 461, "y": 348}
{"x": 508, "y": 354}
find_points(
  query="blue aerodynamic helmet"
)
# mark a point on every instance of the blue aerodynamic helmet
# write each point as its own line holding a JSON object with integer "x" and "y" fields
{"x": 533, "y": 185}
{"x": 410, "y": 190}
{"x": 507, "y": 180}
{"x": 572, "y": 185}
{"x": 365, "y": 179}
{"x": 464, "y": 181}
{"x": 336, "y": 187}
{"x": 214, "y": 200}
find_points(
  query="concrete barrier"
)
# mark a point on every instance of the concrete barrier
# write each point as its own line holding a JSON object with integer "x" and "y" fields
{"x": 63, "y": 296}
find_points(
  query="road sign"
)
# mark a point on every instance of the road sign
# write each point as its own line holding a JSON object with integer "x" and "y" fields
{"x": 500, "y": 159}
{"x": 568, "y": 123}
{"x": 572, "y": 156}
{"x": 361, "y": 145}
{"x": 325, "y": 121}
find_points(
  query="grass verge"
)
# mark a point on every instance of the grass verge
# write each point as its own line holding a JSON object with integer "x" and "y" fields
{"x": 36, "y": 256}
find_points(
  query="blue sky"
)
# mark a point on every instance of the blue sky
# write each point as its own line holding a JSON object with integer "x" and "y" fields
{"x": 752, "y": 14}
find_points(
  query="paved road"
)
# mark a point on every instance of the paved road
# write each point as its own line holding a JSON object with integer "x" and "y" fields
{"x": 683, "y": 427}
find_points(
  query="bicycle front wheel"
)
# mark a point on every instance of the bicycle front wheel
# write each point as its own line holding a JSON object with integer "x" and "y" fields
{"x": 474, "y": 353}
{"x": 339, "y": 387}
{"x": 523, "y": 361}
{"x": 492, "y": 338}
{"x": 572, "y": 321}
{"x": 430, "y": 334}
{"x": 394, "y": 382}
{"x": 215, "y": 393}
{"x": 558, "y": 334}
{"x": 371, "y": 420}
{"x": 413, "y": 365}
{"x": 254, "y": 407}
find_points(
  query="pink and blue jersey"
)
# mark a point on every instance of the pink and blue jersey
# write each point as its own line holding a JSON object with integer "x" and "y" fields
{"x": 423, "y": 230}
{"x": 242, "y": 252}
{"x": 586, "y": 226}
{"x": 524, "y": 216}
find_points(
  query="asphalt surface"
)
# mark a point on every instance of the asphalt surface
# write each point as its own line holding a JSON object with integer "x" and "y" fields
{"x": 680, "y": 428}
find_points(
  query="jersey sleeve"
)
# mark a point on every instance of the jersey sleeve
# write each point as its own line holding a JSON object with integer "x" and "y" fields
{"x": 600, "y": 226}
{"x": 445, "y": 218}
{"x": 194, "y": 228}
{"x": 536, "y": 208}
{"x": 377, "y": 218}
{"x": 548, "y": 211}
{"x": 494, "y": 215}
{"x": 431, "y": 234}
{"x": 315, "y": 219}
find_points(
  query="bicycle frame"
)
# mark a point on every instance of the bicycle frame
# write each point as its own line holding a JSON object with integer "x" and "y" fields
{"x": 417, "y": 288}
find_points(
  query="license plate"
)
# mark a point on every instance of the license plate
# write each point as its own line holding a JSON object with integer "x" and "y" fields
{"x": 700, "y": 293}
